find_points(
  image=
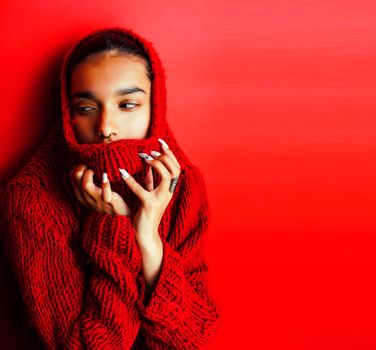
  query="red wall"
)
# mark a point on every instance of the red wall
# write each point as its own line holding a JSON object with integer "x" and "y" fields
{"x": 275, "y": 102}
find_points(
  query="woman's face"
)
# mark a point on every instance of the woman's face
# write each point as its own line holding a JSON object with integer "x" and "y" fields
{"x": 110, "y": 94}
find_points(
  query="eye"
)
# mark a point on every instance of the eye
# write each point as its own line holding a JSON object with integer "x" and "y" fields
{"x": 84, "y": 109}
{"x": 129, "y": 105}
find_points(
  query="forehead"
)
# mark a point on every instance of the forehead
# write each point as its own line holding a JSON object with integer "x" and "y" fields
{"x": 106, "y": 71}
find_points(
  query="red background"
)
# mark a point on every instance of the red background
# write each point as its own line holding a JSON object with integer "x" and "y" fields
{"x": 275, "y": 102}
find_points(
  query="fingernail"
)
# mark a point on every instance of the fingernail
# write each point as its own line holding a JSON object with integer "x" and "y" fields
{"x": 145, "y": 156}
{"x": 155, "y": 153}
{"x": 105, "y": 178}
{"x": 164, "y": 144}
{"x": 124, "y": 173}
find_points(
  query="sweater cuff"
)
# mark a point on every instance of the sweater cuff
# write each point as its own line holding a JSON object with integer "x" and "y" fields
{"x": 107, "y": 237}
{"x": 168, "y": 302}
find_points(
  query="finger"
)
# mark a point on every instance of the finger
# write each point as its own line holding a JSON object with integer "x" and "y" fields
{"x": 162, "y": 172}
{"x": 91, "y": 192}
{"x": 76, "y": 176}
{"x": 149, "y": 181}
{"x": 169, "y": 163}
{"x": 166, "y": 149}
{"x": 138, "y": 190}
{"x": 78, "y": 172}
{"x": 106, "y": 189}
{"x": 76, "y": 190}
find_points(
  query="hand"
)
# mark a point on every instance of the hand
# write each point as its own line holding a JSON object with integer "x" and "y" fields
{"x": 102, "y": 200}
{"x": 154, "y": 201}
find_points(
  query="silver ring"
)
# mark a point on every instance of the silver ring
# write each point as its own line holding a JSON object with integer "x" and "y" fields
{"x": 173, "y": 184}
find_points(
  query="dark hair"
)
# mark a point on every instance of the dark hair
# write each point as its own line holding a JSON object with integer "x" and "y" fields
{"x": 108, "y": 41}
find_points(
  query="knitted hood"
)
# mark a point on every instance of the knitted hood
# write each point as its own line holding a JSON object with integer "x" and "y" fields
{"x": 103, "y": 157}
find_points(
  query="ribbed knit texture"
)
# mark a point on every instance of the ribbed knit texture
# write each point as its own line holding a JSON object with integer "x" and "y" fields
{"x": 79, "y": 271}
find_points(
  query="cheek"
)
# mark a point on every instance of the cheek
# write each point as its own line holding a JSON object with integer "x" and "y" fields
{"x": 134, "y": 125}
{"x": 137, "y": 119}
{"x": 83, "y": 129}
{"x": 143, "y": 120}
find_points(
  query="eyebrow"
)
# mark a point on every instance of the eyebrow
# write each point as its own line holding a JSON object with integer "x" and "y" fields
{"x": 119, "y": 92}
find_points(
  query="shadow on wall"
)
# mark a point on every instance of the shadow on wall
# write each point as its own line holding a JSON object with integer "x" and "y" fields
{"x": 42, "y": 110}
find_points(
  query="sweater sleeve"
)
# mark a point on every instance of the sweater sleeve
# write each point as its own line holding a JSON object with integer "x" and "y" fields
{"x": 67, "y": 309}
{"x": 180, "y": 313}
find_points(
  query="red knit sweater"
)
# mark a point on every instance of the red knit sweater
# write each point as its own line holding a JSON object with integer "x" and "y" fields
{"x": 79, "y": 271}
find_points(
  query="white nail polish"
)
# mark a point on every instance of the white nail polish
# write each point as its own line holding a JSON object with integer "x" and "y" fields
{"x": 145, "y": 156}
{"x": 105, "y": 178}
{"x": 124, "y": 173}
{"x": 155, "y": 153}
{"x": 164, "y": 144}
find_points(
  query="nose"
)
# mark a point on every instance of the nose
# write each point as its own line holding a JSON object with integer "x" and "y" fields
{"x": 107, "y": 126}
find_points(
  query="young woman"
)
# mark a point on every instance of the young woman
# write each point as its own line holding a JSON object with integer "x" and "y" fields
{"x": 104, "y": 228}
